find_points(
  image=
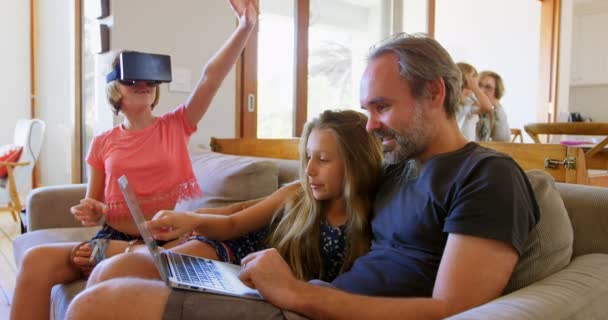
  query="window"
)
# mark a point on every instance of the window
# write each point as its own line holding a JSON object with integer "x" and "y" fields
{"x": 89, "y": 44}
{"x": 309, "y": 55}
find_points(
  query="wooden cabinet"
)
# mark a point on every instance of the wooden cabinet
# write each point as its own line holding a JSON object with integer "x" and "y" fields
{"x": 589, "y": 48}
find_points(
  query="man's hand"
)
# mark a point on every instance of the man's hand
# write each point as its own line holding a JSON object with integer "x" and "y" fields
{"x": 269, "y": 273}
{"x": 246, "y": 11}
{"x": 168, "y": 225}
{"x": 89, "y": 211}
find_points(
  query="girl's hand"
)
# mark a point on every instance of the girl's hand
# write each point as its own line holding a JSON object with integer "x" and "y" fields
{"x": 89, "y": 211}
{"x": 169, "y": 225}
{"x": 246, "y": 11}
{"x": 471, "y": 80}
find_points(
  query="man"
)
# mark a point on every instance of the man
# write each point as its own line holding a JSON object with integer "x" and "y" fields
{"x": 448, "y": 226}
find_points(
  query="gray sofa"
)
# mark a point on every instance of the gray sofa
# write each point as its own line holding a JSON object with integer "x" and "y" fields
{"x": 562, "y": 275}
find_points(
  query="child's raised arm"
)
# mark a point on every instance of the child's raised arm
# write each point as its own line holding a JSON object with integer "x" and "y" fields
{"x": 220, "y": 64}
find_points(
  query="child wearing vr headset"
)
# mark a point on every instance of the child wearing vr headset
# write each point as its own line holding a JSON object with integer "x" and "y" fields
{"x": 152, "y": 151}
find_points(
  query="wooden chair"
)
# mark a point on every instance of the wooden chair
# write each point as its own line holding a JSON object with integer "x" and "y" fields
{"x": 269, "y": 148}
{"x": 565, "y": 164}
{"x": 596, "y": 157}
{"x": 29, "y": 134}
{"x": 516, "y": 133}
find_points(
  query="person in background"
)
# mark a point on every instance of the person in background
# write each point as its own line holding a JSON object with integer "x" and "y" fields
{"x": 492, "y": 85}
{"x": 474, "y": 115}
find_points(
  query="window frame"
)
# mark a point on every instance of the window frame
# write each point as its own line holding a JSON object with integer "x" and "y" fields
{"x": 246, "y": 79}
{"x": 246, "y": 119}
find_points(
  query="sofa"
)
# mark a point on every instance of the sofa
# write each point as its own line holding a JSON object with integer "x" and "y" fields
{"x": 563, "y": 273}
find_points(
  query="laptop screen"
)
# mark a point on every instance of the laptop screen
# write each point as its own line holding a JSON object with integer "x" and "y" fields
{"x": 140, "y": 221}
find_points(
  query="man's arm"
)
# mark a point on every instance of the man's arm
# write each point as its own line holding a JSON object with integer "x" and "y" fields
{"x": 473, "y": 271}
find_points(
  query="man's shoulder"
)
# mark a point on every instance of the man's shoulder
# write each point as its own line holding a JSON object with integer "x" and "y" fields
{"x": 471, "y": 163}
{"x": 472, "y": 154}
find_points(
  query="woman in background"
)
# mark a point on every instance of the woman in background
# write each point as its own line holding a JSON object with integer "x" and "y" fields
{"x": 492, "y": 85}
{"x": 474, "y": 115}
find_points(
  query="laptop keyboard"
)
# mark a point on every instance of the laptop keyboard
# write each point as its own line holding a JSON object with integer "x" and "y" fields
{"x": 197, "y": 271}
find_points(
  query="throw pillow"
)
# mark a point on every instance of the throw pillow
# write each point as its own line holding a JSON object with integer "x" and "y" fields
{"x": 549, "y": 245}
{"x": 9, "y": 153}
{"x": 226, "y": 179}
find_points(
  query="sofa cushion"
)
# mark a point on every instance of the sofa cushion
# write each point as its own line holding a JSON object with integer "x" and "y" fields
{"x": 62, "y": 295}
{"x": 586, "y": 207}
{"x": 549, "y": 245}
{"x": 226, "y": 179}
{"x": 578, "y": 292}
{"x": 46, "y": 236}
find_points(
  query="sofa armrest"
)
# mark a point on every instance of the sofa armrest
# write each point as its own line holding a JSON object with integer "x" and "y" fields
{"x": 579, "y": 291}
{"x": 49, "y": 207}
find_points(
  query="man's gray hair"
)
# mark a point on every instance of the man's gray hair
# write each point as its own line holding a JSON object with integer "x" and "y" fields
{"x": 421, "y": 60}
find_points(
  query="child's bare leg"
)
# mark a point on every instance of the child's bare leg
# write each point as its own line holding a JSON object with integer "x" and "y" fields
{"x": 139, "y": 263}
{"x": 41, "y": 268}
{"x": 82, "y": 254}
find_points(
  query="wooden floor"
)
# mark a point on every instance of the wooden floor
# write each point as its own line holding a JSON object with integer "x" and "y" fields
{"x": 8, "y": 271}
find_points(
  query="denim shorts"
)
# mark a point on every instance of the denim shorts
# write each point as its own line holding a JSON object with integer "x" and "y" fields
{"x": 232, "y": 251}
{"x": 108, "y": 232}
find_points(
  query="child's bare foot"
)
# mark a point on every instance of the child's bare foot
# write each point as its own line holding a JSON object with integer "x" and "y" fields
{"x": 80, "y": 257}
{"x": 87, "y": 254}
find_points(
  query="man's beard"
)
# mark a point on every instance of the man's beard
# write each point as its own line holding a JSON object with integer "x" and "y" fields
{"x": 412, "y": 140}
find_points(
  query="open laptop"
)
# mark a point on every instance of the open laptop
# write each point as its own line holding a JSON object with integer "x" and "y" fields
{"x": 183, "y": 271}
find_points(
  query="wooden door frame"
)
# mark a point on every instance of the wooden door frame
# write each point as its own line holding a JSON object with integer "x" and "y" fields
{"x": 77, "y": 156}
{"x": 33, "y": 79}
{"x": 246, "y": 89}
{"x": 550, "y": 31}
{"x": 76, "y": 165}
{"x": 246, "y": 98}
{"x": 302, "y": 14}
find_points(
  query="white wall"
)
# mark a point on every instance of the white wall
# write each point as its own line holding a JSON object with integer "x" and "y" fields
{"x": 56, "y": 88}
{"x": 586, "y": 91}
{"x": 191, "y": 31}
{"x": 565, "y": 53}
{"x": 590, "y": 101}
{"x": 15, "y": 66}
{"x": 502, "y": 36}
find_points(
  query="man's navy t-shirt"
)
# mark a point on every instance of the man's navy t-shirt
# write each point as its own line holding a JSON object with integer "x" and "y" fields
{"x": 473, "y": 191}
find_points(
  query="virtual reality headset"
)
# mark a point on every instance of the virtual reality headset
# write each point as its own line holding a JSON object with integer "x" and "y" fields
{"x": 140, "y": 66}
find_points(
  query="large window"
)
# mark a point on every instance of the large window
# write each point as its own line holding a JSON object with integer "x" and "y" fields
{"x": 89, "y": 27}
{"x": 275, "y": 65}
{"x": 309, "y": 55}
{"x": 93, "y": 112}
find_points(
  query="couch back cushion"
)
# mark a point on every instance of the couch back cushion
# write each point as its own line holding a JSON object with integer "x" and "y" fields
{"x": 226, "y": 179}
{"x": 587, "y": 208}
{"x": 549, "y": 245}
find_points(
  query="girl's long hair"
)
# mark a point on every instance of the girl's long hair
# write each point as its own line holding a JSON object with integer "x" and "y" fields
{"x": 296, "y": 227}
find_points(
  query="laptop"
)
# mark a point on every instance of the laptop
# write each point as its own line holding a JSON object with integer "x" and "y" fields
{"x": 183, "y": 271}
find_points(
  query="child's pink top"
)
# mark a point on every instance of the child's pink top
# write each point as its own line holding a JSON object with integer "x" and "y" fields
{"x": 154, "y": 159}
